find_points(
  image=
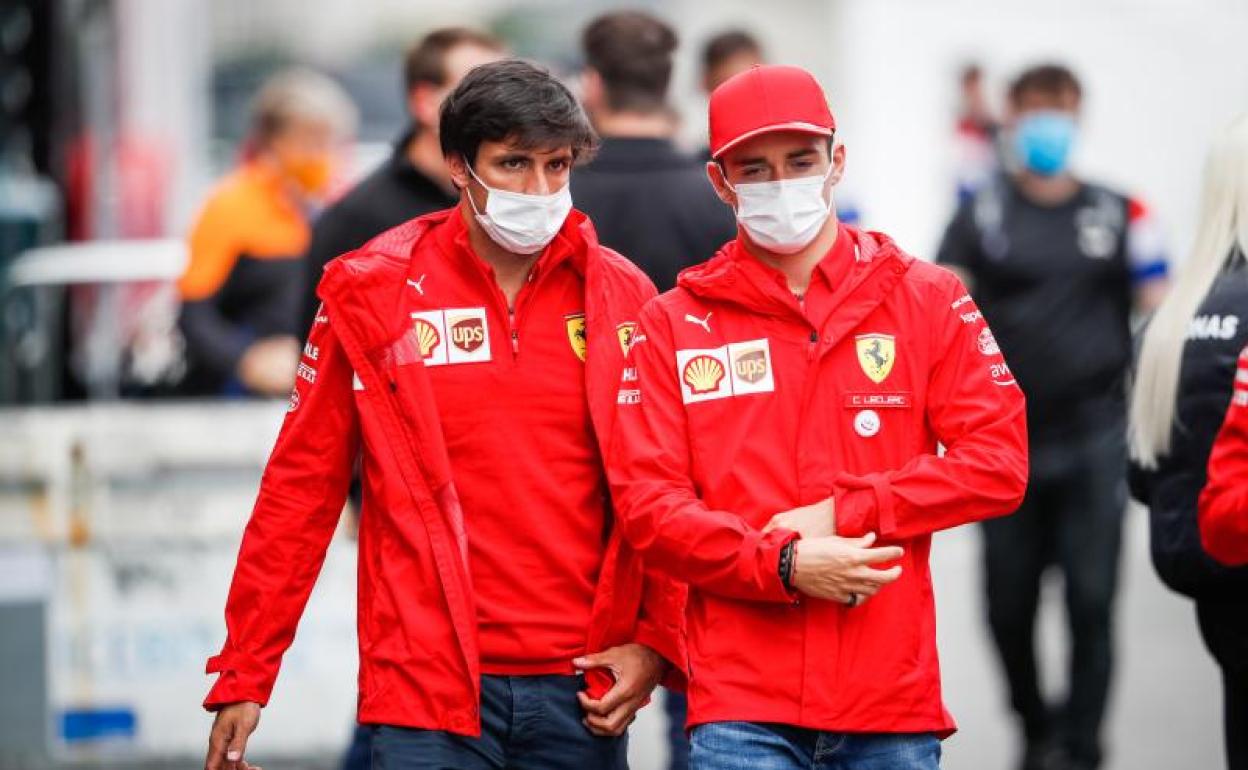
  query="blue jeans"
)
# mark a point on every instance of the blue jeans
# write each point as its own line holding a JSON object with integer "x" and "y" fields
{"x": 527, "y": 723}
{"x": 755, "y": 746}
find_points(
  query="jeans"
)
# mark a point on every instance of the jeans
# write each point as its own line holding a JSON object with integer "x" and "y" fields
{"x": 756, "y": 746}
{"x": 527, "y": 723}
{"x": 1072, "y": 517}
{"x": 677, "y": 707}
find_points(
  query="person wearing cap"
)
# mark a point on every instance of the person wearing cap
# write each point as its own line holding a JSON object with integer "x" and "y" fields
{"x": 777, "y": 448}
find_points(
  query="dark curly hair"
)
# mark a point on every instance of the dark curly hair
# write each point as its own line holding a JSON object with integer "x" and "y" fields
{"x": 513, "y": 100}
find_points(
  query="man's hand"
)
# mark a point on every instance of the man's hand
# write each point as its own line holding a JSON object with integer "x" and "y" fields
{"x": 637, "y": 670}
{"x": 233, "y": 726}
{"x": 814, "y": 520}
{"x": 268, "y": 365}
{"x": 839, "y": 568}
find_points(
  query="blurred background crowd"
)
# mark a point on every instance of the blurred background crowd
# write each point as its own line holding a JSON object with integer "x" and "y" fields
{"x": 175, "y": 173}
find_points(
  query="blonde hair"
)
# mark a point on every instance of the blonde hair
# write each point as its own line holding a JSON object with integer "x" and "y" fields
{"x": 1222, "y": 231}
{"x": 300, "y": 94}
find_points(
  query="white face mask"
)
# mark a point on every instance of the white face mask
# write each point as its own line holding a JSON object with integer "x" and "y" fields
{"x": 520, "y": 223}
{"x": 783, "y": 216}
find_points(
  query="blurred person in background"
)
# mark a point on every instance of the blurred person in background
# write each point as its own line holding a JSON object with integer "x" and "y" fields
{"x": 473, "y": 356}
{"x": 975, "y": 135}
{"x": 1185, "y": 377}
{"x": 1058, "y": 265}
{"x": 725, "y": 54}
{"x": 648, "y": 200}
{"x": 241, "y": 289}
{"x": 782, "y": 408}
{"x": 413, "y": 180}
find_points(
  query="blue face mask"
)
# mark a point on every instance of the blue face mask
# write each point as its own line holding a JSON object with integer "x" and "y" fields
{"x": 1042, "y": 142}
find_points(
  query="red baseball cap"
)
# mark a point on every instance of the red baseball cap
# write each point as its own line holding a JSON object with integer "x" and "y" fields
{"x": 767, "y": 98}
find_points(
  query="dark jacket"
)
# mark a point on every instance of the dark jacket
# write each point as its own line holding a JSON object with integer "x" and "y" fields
{"x": 1218, "y": 332}
{"x": 389, "y": 196}
{"x": 654, "y": 205}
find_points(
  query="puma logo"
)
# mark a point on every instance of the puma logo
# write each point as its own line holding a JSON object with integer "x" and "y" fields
{"x": 417, "y": 285}
{"x": 705, "y": 323}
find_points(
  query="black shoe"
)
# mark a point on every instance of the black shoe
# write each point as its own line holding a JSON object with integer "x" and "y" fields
{"x": 1044, "y": 755}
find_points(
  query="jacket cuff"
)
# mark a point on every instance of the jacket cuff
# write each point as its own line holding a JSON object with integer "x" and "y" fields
{"x": 233, "y": 686}
{"x": 863, "y": 504}
{"x": 666, "y": 642}
{"x": 769, "y": 548}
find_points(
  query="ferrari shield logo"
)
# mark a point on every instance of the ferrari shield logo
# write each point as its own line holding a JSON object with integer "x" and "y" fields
{"x": 576, "y": 333}
{"x": 876, "y": 353}
{"x": 625, "y": 332}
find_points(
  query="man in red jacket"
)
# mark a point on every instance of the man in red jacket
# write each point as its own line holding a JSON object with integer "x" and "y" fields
{"x": 777, "y": 448}
{"x": 471, "y": 358}
{"x": 1223, "y": 506}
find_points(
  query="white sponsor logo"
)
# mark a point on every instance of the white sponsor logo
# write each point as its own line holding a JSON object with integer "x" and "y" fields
{"x": 311, "y": 351}
{"x": 960, "y": 301}
{"x": 736, "y": 369}
{"x": 986, "y": 343}
{"x": 867, "y": 423}
{"x": 631, "y": 396}
{"x": 1001, "y": 374}
{"x": 417, "y": 285}
{"x": 294, "y": 401}
{"x": 1241, "y": 375}
{"x": 629, "y": 375}
{"x": 1240, "y": 398}
{"x": 972, "y": 317}
{"x": 705, "y": 323}
{"x": 1213, "y": 327}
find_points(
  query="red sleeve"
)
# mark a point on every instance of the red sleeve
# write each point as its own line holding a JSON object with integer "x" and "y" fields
{"x": 301, "y": 497}
{"x": 659, "y": 510}
{"x": 661, "y": 625}
{"x": 978, "y": 414}
{"x": 1223, "y": 506}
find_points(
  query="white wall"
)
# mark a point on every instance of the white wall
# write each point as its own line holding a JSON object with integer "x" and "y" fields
{"x": 1160, "y": 76}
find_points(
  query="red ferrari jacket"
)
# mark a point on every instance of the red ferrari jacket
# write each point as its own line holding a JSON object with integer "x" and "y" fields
{"x": 736, "y": 405}
{"x": 1223, "y": 506}
{"x": 363, "y": 386}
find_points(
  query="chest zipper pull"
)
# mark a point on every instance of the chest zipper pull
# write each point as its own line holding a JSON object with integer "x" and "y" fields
{"x": 515, "y": 333}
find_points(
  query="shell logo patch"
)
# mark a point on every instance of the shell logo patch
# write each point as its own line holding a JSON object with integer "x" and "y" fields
{"x": 876, "y": 355}
{"x": 427, "y": 337}
{"x": 703, "y": 374}
{"x": 576, "y": 334}
{"x": 735, "y": 369}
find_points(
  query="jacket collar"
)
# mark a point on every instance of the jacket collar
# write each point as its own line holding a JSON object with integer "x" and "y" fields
{"x": 734, "y": 276}
{"x": 367, "y": 285}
